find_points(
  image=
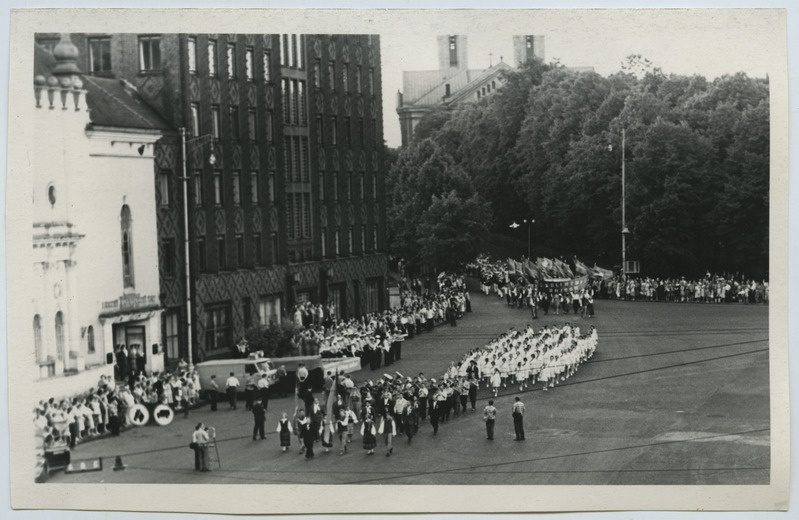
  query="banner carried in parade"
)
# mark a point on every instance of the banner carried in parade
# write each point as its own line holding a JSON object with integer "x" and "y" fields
{"x": 563, "y": 284}
{"x": 554, "y": 272}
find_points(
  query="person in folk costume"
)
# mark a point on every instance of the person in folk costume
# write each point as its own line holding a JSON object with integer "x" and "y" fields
{"x": 368, "y": 433}
{"x": 327, "y": 433}
{"x": 284, "y": 430}
{"x": 589, "y": 305}
{"x": 307, "y": 435}
{"x": 474, "y": 385}
{"x": 463, "y": 390}
{"x": 300, "y": 421}
{"x": 522, "y": 373}
{"x": 388, "y": 429}
{"x": 435, "y": 408}
{"x": 556, "y": 302}
{"x": 345, "y": 427}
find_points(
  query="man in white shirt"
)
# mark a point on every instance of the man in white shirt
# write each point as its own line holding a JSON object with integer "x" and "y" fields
{"x": 200, "y": 440}
{"x": 231, "y": 388}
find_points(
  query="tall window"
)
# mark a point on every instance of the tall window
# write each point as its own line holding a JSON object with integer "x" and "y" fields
{"x": 202, "y": 264}
{"x": 317, "y": 74}
{"x": 374, "y": 186}
{"x": 268, "y": 126}
{"x": 215, "y": 122}
{"x": 274, "y": 247}
{"x": 453, "y": 52}
{"x": 338, "y": 242}
{"x": 252, "y": 124}
{"x": 361, "y": 132}
{"x": 345, "y": 79}
{"x": 324, "y": 242}
{"x": 99, "y": 55}
{"x": 375, "y": 140}
{"x": 254, "y": 187}
{"x": 267, "y": 64}
{"x": 271, "y": 187}
{"x": 295, "y": 59}
{"x": 236, "y": 188}
{"x": 361, "y": 186}
{"x": 217, "y": 328}
{"x": 349, "y": 186}
{"x": 170, "y": 257}
{"x": 284, "y": 50}
{"x": 221, "y": 256}
{"x": 347, "y": 131}
{"x": 37, "y": 338}
{"x": 218, "y": 198}
{"x": 163, "y": 178}
{"x": 258, "y": 249}
{"x": 195, "y": 119}
{"x": 248, "y": 64}
{"x": 373, "y": 295}
{"x": 198, "y": 189}
{"x": 371, "y": 81}
{"x": 240, "y": 250}
{"x": 172, "y": 337}
{"x": 290, "y": 216}
{"x": 333, "y": 130}
{"x": 269, "y": 310}
{"x": 246, "y": 310}
{"x": 302, "y": 121}
{"x": 59, "y": 335}
{"x": 349, "y": 240}
{"x": 331, "y": 75}
{"x": 127, "y": 247}
{"x": 286, "y": 101}
{"x": 149, "y": 53}
{"x": 363, "y": 239}
{"x": 358, "y": 79}
{"x": 320, "y": 129}
{"x": 306, "y": 215}
{"x": 231, "y": 60}
{"x": 191, "y": 48}
{"x": 322, "y": 186}
{"x": 90, "y": 339}
{"x": 212, "y": 69}
{"x": 234, "y": 123}
{"x": 374, "y": 238}
{"x": 335, "y": 186}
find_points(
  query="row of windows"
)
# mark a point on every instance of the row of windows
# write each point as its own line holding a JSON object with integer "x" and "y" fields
{"x": 366, "y": 242}
{"x": 255, "y": 185}
{"x": 231, "y": 64}
{"x": 332, "y": 131}
{"x": 255, "y": 258}
{"x": 298, "y": 216}
{"x": 219, "y": 326}
{"x": 292, "y": 48}
{"x": 294, "y": 103}
{"x": 195, "y": 127}
{"x": 348, "y": 84}
{"x": 295, "y": 159}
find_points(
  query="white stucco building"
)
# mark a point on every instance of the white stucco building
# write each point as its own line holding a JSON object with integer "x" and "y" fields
{"x": 95, "y": 264}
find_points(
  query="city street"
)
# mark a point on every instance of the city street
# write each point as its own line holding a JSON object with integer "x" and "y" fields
{"x": 675, "y": 394}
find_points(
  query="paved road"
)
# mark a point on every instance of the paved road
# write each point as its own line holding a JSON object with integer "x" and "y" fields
{"x": 676, "y": 394}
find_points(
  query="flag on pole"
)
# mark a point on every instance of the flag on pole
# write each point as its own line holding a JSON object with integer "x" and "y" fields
{"x": 331, "y": 398}
{"x": 605, "y": 274}
{"x": 581, "y": 268}
{"x": 530, "y": 269}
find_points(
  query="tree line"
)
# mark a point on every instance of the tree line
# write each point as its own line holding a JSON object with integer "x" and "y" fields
{"x": 548, "y": 146}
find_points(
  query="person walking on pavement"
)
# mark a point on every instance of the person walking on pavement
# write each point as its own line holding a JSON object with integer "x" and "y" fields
{"x": 231, "y": 388}
{"x": 249, "y": 390}
{"x": 518, "y": 415}
{"x": 490, "y": 417}
{"x": 213, "y": 392}
{"x": 259, "y": 418}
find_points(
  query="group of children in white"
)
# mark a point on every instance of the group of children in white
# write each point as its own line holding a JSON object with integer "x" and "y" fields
{"x": 524, "y": 357}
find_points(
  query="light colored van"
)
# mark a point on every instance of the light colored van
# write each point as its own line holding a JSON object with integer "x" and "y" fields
{"x": 241, "y": 368}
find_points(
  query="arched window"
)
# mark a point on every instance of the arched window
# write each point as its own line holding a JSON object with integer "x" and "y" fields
{"x": 90, "y": 338}
{"x": 37, "y": 337}
{"x": 127, "y": 247}
{"x": 59, "y": 335}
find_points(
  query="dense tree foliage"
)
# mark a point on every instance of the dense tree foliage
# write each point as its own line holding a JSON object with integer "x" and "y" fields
{"x": 697, "y": 169}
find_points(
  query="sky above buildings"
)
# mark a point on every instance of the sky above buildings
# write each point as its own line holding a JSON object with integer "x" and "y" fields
{"x": 709, "y": 43}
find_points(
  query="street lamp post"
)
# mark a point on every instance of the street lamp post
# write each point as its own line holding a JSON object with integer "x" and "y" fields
{"x": 201, "y": 140}
{"x": 529, "y": 223}
{"x": 624, "y": 230}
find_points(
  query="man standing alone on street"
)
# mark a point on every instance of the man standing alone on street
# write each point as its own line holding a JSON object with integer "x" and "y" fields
{"x": 231, "y": 388}
{"x": 518, "y": 414}
{"x": 259, "y": 417}
{"x": 490, "y": 416}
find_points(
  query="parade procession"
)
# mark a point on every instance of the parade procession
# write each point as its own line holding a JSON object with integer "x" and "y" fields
{"x": 283, "y": 259}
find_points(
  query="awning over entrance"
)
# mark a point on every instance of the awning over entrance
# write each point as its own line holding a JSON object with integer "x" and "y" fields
{"x": 130, "y": 316}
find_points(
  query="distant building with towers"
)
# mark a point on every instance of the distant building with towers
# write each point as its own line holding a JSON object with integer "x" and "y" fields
{"x": 454, "y": 83}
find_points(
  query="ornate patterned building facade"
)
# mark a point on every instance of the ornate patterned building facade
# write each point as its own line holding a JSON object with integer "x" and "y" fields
{"x": 284, "y": 164}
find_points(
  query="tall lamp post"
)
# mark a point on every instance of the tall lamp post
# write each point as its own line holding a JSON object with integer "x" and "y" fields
{"x": 529, "y": 222}
{"x": 624, "y": 230}
{"x": 184, "y": 143}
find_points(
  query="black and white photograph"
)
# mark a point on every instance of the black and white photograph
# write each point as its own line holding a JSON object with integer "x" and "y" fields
{"x": 398, "y": 261}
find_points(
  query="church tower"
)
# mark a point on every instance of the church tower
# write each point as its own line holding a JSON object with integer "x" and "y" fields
{"x": 452, "y": 52}
{"x": 527, "y": 47}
